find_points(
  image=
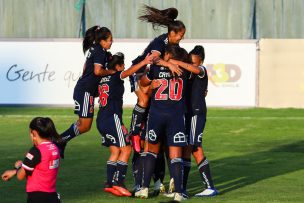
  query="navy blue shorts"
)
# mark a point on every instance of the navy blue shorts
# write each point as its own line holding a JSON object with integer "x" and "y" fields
{"x": 112, "y": 130}
{"x": 84, "y": 104}
{"x": 195, "y": 125}
{"x": 169, "y": 127}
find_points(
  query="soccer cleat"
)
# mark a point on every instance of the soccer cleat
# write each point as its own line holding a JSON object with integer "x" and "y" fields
{"x": 171, "y": 186}
{"x": 135, "y": 139}
{"x": 61, "y": 146}
{"x": 158, "y": 188}
{"x": 142, "y": 193}
{"x": 207, "y": 193}
{"x": 179, "y": 197}
{"x": 122, "y": 190}
{"x": 113, "y": 191}
{"x": 170, "y": 195}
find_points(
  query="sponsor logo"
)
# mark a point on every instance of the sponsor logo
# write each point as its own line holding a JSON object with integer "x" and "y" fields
{"x": 29, "y": 156}
{"x": 224, "y": 75}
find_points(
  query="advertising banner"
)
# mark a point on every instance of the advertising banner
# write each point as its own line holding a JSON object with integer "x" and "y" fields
{"x": 44, "y": 72}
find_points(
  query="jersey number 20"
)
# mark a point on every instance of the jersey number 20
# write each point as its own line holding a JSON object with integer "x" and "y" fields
{"x": 175, "y": 89}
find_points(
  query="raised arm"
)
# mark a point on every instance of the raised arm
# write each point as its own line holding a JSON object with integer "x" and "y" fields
{"x": 189, "y": 67}
{"x": 148, "y": 60}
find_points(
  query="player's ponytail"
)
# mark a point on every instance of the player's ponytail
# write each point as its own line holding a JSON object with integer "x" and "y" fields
{"x": 116, "y": 59}
{"x": 199, "y": 51}
{"x": 94, "y": 35}
{"x": 162, "y": 18}
{"x": 45, "y": 128}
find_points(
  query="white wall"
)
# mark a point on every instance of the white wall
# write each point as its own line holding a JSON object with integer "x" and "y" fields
{"x": 45, "y": 71}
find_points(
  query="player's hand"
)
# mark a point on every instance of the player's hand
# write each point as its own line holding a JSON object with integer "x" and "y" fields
{"x": 149, "y": 59}
{"x": 7, "y": 175}
{"x": 155, "y": 84}
{"x": 18, "y": 164}
{"x": 176, "y": 71}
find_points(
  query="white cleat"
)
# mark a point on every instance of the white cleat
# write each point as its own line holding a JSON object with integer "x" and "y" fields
{"x": 171, "y": 186}
{"x": 207, "y": 193}
{"x": 170, "y": 195}
{"x": 142, "y": 193}
{"x": 179, "y": 197}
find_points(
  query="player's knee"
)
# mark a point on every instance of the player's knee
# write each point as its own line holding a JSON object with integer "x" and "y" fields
{"x": 83, "y": 128}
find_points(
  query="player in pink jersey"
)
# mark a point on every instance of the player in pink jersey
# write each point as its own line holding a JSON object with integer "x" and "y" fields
{"x": 41, "y": 163}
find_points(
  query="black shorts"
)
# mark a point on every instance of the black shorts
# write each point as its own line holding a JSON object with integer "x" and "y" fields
{"x": 84, "y": 104}
{"x": 45, "y": 197}
{"x": 112, "y": 130}
{"x": 169, "y": 127}
{"x": 195, "y": 125}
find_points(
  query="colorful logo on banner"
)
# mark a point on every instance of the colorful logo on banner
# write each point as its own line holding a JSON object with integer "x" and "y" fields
{"x": 224, "y": 75}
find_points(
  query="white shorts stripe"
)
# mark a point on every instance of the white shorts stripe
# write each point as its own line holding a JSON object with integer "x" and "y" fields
{"x": 85, "y": 104}
{"x": 119, "y": 131}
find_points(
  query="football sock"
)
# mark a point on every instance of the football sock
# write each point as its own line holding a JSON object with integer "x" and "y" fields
{"x": 204, "y": 170}
{"x": 160, "y": 167}
{"x": 149, "y": 166}
{"x": 70, "y": 133}
{"x": 187, "y": 167}
{"x": 137, "y": 118}
{"x": 177, "y": 173}
{"x": 121, "y": 172}
{"x": 111, "y": 169}
{"x": 136, "y": 167}
{"x": 140, "y": 174}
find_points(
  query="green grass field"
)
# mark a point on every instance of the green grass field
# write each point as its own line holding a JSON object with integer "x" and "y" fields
{"x": 256, "y": 155}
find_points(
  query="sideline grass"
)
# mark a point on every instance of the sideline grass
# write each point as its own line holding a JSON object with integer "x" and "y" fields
{"x": 256, "y": 155}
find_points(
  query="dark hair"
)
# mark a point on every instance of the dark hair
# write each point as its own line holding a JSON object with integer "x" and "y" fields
{"x": 162, "y": 18}
{"x": 178, "y": 53}
{"x": 117, "y": 59}
{"x": 199, "y": 51}
{"x": 45, "y": 128}
{"x": 94, "y": 35}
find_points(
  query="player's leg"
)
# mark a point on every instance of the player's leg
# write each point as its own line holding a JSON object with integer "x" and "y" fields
{"x": 186, "y": 167}
{"x": 120, "y": 133}
{"x": 176, "y": 140}
{"x": 84, "y": 108}
{"x": 198, "y": 125}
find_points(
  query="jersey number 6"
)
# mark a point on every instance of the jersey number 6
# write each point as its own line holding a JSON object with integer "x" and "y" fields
{"x": 103, "y": 94}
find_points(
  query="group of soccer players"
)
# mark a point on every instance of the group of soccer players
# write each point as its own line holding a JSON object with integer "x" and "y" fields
{"x": 169, "y": 117}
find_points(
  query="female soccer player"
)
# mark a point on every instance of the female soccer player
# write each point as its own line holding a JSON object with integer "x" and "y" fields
{"x": 41, "y": 163}
{"x": 110, "y": 125}
{"x": 195, "y": 123}
{"x": 176, "y": 31}
{"x": 97, "y": 41}
{"x": 166, "y": 117}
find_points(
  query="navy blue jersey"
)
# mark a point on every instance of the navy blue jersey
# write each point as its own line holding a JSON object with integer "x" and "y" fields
{"x": 170, "y": 94}
{"x": 89, "y": 81}
{"x": 196, "y": 89}
{"x": 157, "y": 44}
{"x": 111, "y": 90}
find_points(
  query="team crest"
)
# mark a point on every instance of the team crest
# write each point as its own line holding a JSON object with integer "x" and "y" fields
{"x": 152, "y": 135}
{"x": 179, "y": 138}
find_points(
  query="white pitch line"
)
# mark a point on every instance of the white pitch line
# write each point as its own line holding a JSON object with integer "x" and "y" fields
{"x": 208, "y": 117}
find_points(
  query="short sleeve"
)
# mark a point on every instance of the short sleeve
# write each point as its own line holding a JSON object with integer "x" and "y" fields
{"x": 150, "y": 73}
{"x": 99, "y": 56}
{"x": 31, "y": 160}
{"x": 158, "y": 45}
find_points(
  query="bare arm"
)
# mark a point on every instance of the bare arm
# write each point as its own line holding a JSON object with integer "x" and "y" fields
{"x": 148, "y": 60}
{"x": 144, "y": 81}
{"x": 20, "y": 172}
{"x": 100, "y": 71}
{"x": 189, "y": 67}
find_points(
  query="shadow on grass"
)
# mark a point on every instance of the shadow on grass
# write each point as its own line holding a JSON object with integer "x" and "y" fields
{"x": 235, "y": 172}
